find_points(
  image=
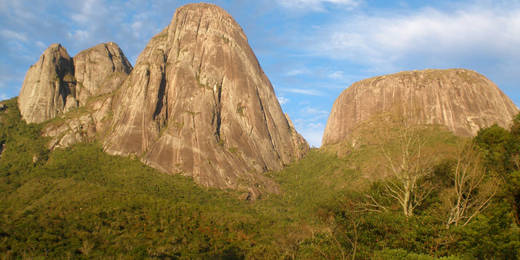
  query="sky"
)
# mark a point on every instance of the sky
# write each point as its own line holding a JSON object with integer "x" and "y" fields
{"x": 311, "y": 50}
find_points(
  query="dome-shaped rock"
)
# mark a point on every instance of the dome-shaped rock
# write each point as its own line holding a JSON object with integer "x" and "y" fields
{"x": 462, "y": 100}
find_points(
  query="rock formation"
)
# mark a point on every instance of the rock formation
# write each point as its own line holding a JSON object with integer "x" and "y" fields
{"x": 462, "y": 100}
{"x": 57, "y": 83}
{"x": 100, "y": 70}
{"x": 198, "y": 103}
{"x": 48, "y": 88}
{"x": 86, "y": 125}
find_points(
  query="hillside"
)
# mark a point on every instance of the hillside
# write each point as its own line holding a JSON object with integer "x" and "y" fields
{"x": 79, "y": 202}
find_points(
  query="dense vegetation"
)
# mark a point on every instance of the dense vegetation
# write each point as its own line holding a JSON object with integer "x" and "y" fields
{"x": 82, "y": 203}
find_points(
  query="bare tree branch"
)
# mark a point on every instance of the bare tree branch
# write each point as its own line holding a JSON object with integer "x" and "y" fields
{"x": 407, "y": 165}
{"x": 472, "y": 188}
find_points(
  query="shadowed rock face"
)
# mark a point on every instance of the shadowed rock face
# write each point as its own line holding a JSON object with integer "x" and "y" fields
{"x": 57, "y": 83}
{"x": 462, "y": 100}
{"x": 48, "y": 87}
{"x": 100, "y": 70}
{"x": 198, "y": 103}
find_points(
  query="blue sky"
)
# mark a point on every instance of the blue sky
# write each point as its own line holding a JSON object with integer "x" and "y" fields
{"x": 310, "y": 49}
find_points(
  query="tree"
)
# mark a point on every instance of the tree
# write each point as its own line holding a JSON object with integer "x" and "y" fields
{"x": 513, "y": 166}
{"x": 493, "y": 142}
{"x": 472, "y": 188}
{"x": 407, "y": 165}
{"x": 409, "y": 169}
{"x": 501, "y": 154}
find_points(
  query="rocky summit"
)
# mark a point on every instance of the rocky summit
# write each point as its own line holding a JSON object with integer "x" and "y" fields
{"x": 57, "y": 82}
{"x": 462, "y": 100}
{"x": 100, "y": 70}
{"x": 198, "y": 103}
{"x": 48, "y": 87}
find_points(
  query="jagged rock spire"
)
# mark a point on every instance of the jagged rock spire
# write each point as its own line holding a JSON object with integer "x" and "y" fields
{"x": 57, "y": 82}
{"x": 48, "y": 88}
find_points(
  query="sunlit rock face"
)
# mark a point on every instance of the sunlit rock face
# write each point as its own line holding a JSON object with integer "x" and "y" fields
{"x": 462, "y": 100}
{"x": 56, "y": 83}
{"x": 100, "y": 70}
{"x": 198, "y": 103}
{"x": 49, "y": 86}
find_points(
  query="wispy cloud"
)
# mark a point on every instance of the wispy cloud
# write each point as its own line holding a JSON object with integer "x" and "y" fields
{"x": 314, "y": 114}
{"x": 77, "y": 25}
{"x": 310, "y": 123}
{"x": 312, "y": 133}
{"x": 87, "y": 10}
{"x": 79, "y": 35}
{"x": 427, "y": 36}
{"x": 336, "y": 75}
{"x": 12, "y": 35}
{"x": 317, "y": 5}
{"x": 283, "y": 100}
{"x": 296, "y": 72}
{"x": 310, "y": 92}
{"x": 40, "y": 44}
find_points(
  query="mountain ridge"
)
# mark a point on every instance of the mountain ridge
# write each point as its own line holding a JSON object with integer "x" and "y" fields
{"x": 196, "y": 103}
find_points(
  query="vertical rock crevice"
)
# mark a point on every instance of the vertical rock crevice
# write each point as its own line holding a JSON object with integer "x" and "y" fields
{"x": 218, "y": 114}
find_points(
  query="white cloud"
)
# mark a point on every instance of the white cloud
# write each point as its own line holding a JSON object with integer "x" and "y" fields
{"x": 79, "y": 35}
{"x": 137, "y": 26}
{"x": 309, "y": 92}
{"x": 427, "y": 36}
{"x": 3, "y": 96}
{"x": 311, "y": 131}
{"x": 313, "y": 114}
{"x": 313, "y": 136}
{"x": 296, "y": 72}
{"x": 283, "y": 100}
{"x": 12, "y": 35}
{"x": 336, "y": 75}
{"x": 40, "y": 44}
{"x": 89, "y": 11}
{"x": 310, "y": 123}
{"x": 317, "y": 5}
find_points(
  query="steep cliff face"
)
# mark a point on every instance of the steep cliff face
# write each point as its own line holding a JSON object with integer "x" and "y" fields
{"x": 49, "y": 86}
{"x": 462, "y": 100}
{"x": 57, "y": 82}
{"x": 198, "y": 103}
{"x": 100, "y": 70}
